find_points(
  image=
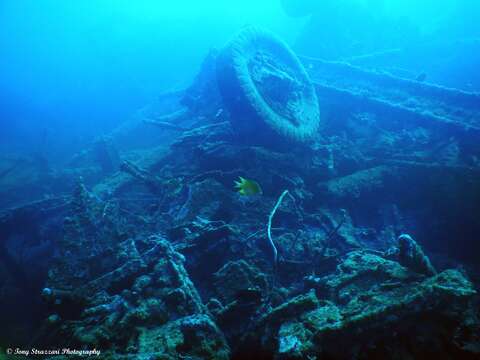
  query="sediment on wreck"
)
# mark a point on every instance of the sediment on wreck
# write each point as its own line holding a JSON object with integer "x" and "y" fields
{"x": 164, "y": 258}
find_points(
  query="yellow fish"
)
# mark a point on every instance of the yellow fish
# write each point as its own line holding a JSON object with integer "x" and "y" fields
{"x": 248, "y": 187}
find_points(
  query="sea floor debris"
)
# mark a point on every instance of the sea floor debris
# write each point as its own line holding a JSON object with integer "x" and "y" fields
{"x": 164, "y": 259}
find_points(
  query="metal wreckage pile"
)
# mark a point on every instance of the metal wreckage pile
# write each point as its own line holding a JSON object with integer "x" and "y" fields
{"x": 164, "y": 260}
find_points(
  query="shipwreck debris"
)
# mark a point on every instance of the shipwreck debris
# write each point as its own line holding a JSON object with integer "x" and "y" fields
{"x": 266, "y": 89}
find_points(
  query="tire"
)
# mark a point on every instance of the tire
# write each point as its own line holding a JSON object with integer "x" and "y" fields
{"x": 266, "y": 89}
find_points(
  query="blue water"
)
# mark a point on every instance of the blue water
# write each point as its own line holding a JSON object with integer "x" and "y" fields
{"x": 71, "y": 71}
{"x": 373, "y": 158}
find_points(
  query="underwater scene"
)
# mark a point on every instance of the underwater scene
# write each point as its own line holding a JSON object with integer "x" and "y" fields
{"x": 277, "y": 179}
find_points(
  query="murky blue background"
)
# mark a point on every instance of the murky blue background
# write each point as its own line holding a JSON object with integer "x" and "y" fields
{"x": 73, "y": 70}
